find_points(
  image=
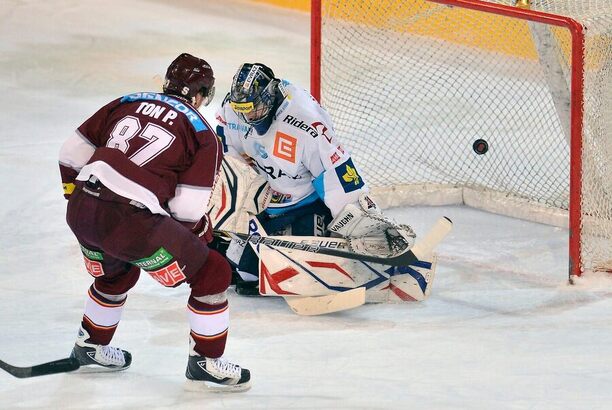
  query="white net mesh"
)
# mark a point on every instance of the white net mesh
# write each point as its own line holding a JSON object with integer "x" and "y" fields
{"x": 411, "y": 85}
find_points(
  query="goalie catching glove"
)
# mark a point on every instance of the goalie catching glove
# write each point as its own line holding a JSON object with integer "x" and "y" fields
{"x": 369, "y": 232}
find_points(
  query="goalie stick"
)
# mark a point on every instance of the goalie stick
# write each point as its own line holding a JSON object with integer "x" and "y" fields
{"x": 405, "y": 258}
{"x": 321, "y": 305}
{"x": 67, "y": 364}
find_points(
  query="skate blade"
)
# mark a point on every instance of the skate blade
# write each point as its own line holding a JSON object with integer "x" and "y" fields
{"x": 96, "y": 368}
{"x": 204, "y": 386}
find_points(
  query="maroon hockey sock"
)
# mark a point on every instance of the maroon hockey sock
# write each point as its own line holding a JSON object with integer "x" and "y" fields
{"x": 101, "y": 317}
{"x": 209, "y": 324}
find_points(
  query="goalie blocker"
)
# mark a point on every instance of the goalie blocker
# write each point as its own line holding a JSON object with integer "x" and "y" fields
{"x": 239, "y": 193}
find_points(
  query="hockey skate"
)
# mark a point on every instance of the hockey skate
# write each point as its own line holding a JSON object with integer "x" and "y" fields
{"x": 98, "y": 358}
{"x": 247, "y": 288}
{"x": 216, "y": 375}
{"x": 246, "y": 283}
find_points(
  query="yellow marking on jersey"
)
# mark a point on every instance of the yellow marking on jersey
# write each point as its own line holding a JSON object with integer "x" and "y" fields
{"x": 68, "y": 188}
{"x": 351, "y": 175}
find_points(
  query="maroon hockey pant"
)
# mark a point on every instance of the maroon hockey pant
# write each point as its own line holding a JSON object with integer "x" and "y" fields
{"x": 118, "y": 239}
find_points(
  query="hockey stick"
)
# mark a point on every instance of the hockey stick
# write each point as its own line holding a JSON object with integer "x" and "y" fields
{"x": 320, "y": 305}
{"x": 405, "y": 258}
{"x": 68, "y": 364}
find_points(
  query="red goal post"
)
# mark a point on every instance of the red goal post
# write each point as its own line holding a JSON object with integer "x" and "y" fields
{"x": 409, "y": 43}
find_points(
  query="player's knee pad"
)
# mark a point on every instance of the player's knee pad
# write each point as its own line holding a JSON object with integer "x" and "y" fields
{"x": 213, "y": 277}
{"x": 118, "y": 284}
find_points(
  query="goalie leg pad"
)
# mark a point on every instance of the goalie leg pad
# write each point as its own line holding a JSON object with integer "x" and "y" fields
{"x": 238, "y": 194}
{"x": 412, "y": 283}
{"x": 291, "y": 272}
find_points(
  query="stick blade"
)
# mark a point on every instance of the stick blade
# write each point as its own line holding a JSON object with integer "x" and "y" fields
{"x": 68, "y": 364}
{"x": 321, "y": 305}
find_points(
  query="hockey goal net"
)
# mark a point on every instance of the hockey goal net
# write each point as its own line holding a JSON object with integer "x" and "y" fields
{"x": 411, "y": 86}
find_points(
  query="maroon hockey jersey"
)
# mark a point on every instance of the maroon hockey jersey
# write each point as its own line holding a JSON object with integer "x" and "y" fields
{"x": 148, "y": 147}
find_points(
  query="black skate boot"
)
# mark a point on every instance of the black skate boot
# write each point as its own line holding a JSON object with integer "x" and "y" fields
{"x": 99, "y": 358}
{"x": 216, "y": 374}
{"x": 246, "y": 288}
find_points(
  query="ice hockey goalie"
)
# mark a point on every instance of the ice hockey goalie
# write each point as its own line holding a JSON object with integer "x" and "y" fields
{"x": 359, "y": 229}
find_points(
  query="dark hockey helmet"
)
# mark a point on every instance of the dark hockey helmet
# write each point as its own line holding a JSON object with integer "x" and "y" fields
{"x": 188, "y": 75}
{"x": 253, "y": 95}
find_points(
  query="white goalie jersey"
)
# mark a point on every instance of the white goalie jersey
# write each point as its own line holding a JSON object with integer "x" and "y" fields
{"x": 299, "y": 155}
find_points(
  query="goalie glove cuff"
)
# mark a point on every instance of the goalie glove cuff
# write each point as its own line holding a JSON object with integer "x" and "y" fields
{"x": 368, "y": 205}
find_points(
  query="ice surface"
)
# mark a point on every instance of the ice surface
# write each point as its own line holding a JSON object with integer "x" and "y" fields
{"x": 501, "y": 330}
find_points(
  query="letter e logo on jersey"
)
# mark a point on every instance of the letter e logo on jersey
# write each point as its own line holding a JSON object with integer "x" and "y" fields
{"x": 285, "y": 147}
{"x": 348, "y": 176}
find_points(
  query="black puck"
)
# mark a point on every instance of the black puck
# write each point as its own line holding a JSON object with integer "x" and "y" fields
{"x": 480, "y": 146}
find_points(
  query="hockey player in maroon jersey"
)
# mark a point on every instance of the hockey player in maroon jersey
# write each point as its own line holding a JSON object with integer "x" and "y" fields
{"x": 138, "y": 175}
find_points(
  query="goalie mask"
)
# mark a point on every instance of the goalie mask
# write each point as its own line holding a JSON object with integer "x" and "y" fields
{"x": 187, "y": 76}
{"x": 253, "y": 95}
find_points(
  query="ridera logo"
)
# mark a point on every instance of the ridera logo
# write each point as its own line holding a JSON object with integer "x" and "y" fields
{"x": 297, "y": 123}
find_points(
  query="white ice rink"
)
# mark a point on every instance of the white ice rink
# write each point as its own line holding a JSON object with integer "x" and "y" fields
{"x": 501, "y": 330}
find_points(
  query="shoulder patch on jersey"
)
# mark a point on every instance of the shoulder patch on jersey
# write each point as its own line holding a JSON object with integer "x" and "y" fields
{"x": 192, "y": 115}
{"x": 321, "y": 129}
{"x": 285, "y": 147}
{"x": 348, "y": 176}
{"x": 238, "y": 126}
